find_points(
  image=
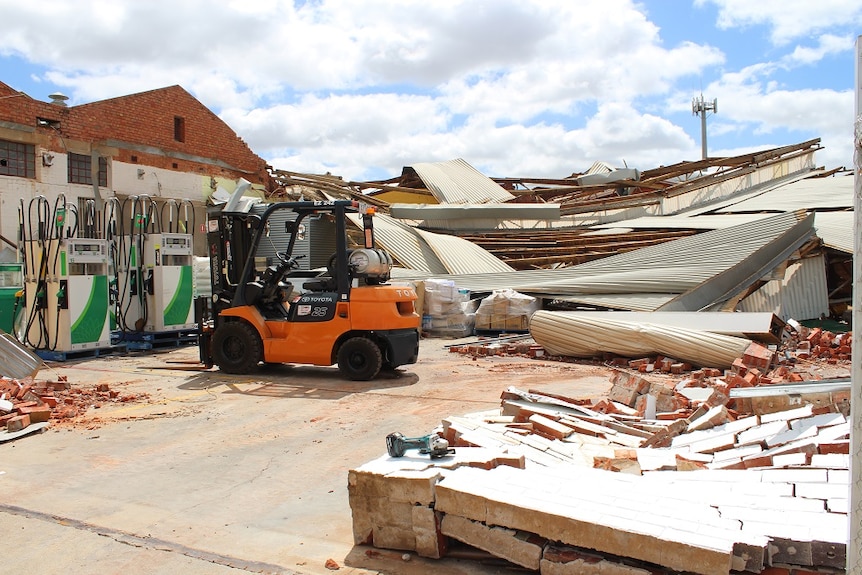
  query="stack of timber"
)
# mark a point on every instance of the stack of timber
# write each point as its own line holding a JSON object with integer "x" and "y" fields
{"x": 563, "y": 486}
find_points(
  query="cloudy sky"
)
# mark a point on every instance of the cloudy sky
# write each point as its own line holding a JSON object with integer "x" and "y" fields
{"x": 534, "y": 88}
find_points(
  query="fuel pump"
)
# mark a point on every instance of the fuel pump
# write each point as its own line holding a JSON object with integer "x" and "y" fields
{"x": 168, "y": 261}
{"x": 154, "y": 267}
{"x": 66, "y": 278}
{"x": 139, "y": 213}
{"x": 112, "y": 224}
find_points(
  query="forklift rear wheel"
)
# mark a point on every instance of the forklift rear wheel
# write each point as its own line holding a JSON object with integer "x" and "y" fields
{"x": 236, "y": 348}
{"x": 359, "y": 359}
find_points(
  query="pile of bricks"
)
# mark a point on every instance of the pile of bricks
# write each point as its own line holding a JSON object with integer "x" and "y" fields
{"x": 496, "y": 347}
{"x": 554, "y": 486}
{"x": 816, "y": 343}
{"x": 759, "y": 365}
{"x": 561, "y": 485}
{"x": 23, "y": 404}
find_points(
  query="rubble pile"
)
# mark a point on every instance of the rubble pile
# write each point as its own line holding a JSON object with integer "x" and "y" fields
{"x": 791, "y": 361}
{"x": 23, "y": 404}
{"x": 669, "y": 472}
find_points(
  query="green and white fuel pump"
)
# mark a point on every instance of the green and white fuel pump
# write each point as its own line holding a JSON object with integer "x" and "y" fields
{"x": 65, "y": 278}
{"x": 154, "y": 259}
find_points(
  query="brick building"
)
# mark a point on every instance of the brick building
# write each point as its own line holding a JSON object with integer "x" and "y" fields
{"x": 162, "y": 143}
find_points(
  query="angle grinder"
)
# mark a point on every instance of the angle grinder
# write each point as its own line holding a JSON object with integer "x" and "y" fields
{"x": 432, "y": 445}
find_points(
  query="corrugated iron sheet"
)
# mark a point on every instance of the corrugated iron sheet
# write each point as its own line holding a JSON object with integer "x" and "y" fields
{"x": 684, "y": 222}
{"x": 582, "y": 335}
{"x": 475, "y": 211}
{"x": 403, "y": 243}
{"x": 759, "y": 262}
{"x": 429, "y": 252}
{"x": 670, "y": 268}
{"x": 807, "y": 194}
{"x": 835, "y": 229}
{"x": 457, "y": 182}
{"x": 462, "y": 256}
{"x": 801, "y": 295}
{"x": 763, "y": 327}
{"x": 16, "y": 361}
{"x": 642, "y": 302}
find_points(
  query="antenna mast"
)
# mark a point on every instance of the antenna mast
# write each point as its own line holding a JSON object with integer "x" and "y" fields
{"x": 699, "y": 107}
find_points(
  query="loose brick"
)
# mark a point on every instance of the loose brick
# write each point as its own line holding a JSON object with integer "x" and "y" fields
{"x": 758, "y": 356}
{"x": 524, "y": 549}
{"x": 17, "y": 423}
{"x": 37, "y": 413}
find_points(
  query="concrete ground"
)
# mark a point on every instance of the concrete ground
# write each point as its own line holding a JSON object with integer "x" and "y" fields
{"x": 221, "y": 474}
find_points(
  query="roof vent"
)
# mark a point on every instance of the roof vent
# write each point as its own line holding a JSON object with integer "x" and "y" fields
{"x": 58, "y": 99}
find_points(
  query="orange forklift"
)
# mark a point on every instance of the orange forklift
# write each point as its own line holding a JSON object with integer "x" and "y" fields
{"x": 264, "y": 309}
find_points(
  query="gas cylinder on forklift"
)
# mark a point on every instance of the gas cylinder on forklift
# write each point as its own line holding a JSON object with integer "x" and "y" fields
{"x": 267, "y": 307}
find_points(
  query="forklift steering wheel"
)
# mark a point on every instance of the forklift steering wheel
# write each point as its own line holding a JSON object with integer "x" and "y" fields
{"x": 289, "y": 261}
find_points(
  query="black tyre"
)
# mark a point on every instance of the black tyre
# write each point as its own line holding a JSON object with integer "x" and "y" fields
{"x": 236, "y": 348}
{"x": 359, "y": 359}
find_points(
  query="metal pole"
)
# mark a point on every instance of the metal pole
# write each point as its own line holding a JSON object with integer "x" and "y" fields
{"x": 700, "y": 107}
{"x": 854, "y": 546}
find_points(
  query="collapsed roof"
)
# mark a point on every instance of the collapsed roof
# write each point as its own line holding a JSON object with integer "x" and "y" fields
{"x": 693, "y": 236}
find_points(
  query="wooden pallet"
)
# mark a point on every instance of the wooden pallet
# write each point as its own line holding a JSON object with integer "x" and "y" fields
{"x": 141, "y": 341}
{"x": 55, "y": 355}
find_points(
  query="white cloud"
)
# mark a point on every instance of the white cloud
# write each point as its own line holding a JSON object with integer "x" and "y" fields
{"x": 827, "y": 45}
{"x": 540, "y": 87}
{"x": 788, "y": 19}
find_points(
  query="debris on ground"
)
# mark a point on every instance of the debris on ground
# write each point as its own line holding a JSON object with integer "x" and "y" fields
{"x": 27, "y": 402}
{"x": 672, "y": 471}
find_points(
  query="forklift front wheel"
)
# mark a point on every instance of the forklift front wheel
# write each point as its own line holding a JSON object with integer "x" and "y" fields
{"x": 236, "y": 347}
{"x": 359, "y": 359}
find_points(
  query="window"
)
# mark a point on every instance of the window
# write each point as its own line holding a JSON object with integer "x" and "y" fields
{"x": 17, "y": 159}
{"x": 80, "y": 172}
{"x": 179, "y": 129}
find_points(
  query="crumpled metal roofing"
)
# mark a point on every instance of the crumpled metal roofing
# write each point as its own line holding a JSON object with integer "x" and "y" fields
{"x": 682, "y": 222}
{"x": 457, "y": 182}
{"x": 810, "y": 193}
{"x": 475, "y": 211}
{"x": 461, "y": 256}
{"x": 801, "y": 294}
{"x": 764, "y": 327}
{"x": 429, "y": 252}
{"x": 627, "y": 301}
{"x": 582, "y": 335}
{"x": 835, "y": 229}
{"x": 675, "y": 267}
{"x": 404, "y": 243}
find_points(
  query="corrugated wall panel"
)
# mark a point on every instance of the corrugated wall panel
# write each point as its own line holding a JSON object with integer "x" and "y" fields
{"x": 801, "y": 295}
{"x": 582, "y": 335}
{"x": 712, "y": 196}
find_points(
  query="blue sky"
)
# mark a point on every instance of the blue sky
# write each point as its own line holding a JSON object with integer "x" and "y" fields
{"x": 543, "y": 88}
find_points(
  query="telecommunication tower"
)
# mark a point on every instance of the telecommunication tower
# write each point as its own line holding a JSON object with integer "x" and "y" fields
{"x": 699, "y": 107}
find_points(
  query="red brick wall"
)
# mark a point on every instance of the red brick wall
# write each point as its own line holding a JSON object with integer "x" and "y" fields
{"x": 147, "y": 119}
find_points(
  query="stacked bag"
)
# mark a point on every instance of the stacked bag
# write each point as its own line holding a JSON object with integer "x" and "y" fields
{"x": 506, "y": 310}
{"x": 448, "y": 311}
